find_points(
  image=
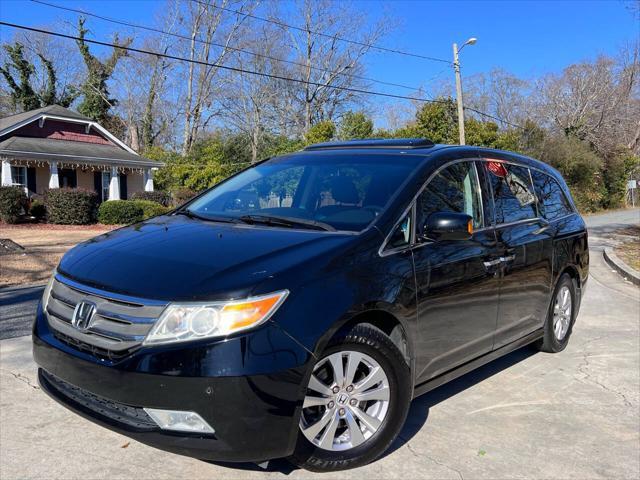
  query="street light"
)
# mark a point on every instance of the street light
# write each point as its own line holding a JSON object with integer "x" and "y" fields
{"x": 456, "y": 67}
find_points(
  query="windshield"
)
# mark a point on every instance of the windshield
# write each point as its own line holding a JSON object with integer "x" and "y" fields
{"x": 342, "y": 192}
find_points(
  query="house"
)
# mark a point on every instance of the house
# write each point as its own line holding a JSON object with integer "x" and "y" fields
{"x": 54, "y": 147}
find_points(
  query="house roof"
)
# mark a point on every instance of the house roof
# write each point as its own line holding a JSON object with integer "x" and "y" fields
{"x": 62, "y": 150}
{"x": 54, "y": 110}
{"x": 31, "y": 148}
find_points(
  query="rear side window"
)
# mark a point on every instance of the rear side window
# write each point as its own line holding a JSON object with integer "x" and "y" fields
{"x": 552, "y": 202}
{"x": 512, "y": 192}
{"x": 453, "y": 189}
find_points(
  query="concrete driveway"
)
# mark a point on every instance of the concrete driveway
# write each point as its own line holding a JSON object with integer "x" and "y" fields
{"x": 528, "y": 415}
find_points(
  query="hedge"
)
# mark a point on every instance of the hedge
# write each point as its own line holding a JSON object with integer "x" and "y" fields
{"x": 71, "y": 206}
{"x": 13, "y": 202}
{"x": 120, "y": 212}
{"x": 183, "y": 195}
{"x": 37, "y": 209}
{"x": 157, "y": 196}
{"x": 151, "y": 209}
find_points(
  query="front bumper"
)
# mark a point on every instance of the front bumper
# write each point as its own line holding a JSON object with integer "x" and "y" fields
{"x": 248, "y": 388}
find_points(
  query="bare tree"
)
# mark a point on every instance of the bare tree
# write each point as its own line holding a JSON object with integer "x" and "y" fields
{"x": 205, "y": 25}
{"x": 146, "y": 105}
{"x": 596, "y": 101}
{"x": 251, "y": 102}
{"x": 499, "y": 93}
{"x": 326, "y": 61}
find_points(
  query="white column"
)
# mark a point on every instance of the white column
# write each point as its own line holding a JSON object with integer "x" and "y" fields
{"x": 114, "y": 185}
{"x": 148, "y": 180}
{"x": 54, "y": 182}
{"x": 7, "y": 177}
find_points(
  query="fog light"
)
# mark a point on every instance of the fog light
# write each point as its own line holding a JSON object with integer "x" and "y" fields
{"x": 179, "y": 421}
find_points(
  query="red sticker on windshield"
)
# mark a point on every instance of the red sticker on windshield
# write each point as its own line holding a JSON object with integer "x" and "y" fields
{"x": 497, "y": 169}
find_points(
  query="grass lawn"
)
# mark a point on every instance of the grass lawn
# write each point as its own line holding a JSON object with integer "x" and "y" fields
{"x": 42, "y": 247}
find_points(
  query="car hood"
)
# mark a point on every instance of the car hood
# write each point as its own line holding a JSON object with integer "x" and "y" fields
{"x": 179, "y": 258}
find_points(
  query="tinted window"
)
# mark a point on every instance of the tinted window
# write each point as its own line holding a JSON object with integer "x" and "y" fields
{"x": 552, "y": 202}
{"x": 453, "y": 189}
{"x": 344, "y": 192}
{"x": 512, "y": 192}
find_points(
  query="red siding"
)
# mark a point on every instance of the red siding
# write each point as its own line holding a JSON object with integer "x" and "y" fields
{"x": 58, "y": 130}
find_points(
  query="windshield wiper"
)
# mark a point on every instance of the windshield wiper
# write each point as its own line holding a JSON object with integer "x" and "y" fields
{"x": 287, "y": 222}
{"x": 191, "y": 214}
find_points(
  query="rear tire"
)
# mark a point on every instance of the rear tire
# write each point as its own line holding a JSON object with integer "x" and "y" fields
{"x": 364, "y": 407}
{"x": 561, "y": 316}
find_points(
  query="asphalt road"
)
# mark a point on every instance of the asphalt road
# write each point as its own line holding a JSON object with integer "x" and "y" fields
{"x": 527, "y": 415}
{"x": 17, "y": 309}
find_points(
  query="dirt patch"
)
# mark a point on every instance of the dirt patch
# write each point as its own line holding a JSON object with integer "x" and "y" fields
{"x": 42, "y": 247}
{"x": 629, "y": 250}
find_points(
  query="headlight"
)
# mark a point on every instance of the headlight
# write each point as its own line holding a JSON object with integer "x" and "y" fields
{"x": 47, "y": 291}
{"x": 193, "y": 321}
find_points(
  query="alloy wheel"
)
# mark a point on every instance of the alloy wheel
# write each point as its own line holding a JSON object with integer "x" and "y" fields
{"x": 562, "y": 313}
{"x": 347, "y": 400}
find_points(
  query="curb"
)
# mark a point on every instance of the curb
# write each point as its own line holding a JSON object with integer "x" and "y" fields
{"x": 622, "y": 268}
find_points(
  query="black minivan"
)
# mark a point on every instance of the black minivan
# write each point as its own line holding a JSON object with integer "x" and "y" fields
{"x": 295, "y": 309}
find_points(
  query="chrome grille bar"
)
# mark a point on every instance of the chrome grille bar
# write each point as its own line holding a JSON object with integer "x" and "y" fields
{"x": 119, "y": 324}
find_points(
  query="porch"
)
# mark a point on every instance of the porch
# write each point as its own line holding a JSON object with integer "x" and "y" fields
{"x": 108, "y": 181}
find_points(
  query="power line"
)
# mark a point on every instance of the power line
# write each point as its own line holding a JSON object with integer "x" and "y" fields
{"x": 214, "y": 44}
{"x": 224, "y": 67}
{"x": 493, "y": 117}
{"x": 251, "y": 72}
{"x": 322, "y": 34}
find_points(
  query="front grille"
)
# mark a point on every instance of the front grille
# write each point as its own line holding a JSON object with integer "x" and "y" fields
{"x": 118, "y": 326}
{"x": 133, "y": 416}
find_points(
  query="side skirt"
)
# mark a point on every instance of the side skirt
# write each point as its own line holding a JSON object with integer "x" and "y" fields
{"x": 473, "y": 364}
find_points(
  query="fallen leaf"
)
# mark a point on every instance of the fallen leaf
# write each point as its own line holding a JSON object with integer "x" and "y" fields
{"x": 126, "y": 445}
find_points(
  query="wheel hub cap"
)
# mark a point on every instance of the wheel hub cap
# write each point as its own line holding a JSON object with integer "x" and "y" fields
{"x": 562, "y": 313}
{"x": 346, "y": 402}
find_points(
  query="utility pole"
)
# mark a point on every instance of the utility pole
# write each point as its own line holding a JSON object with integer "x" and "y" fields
{"x": 456, "y": 68}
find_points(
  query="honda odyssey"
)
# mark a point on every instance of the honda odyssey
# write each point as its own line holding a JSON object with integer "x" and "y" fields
{"x": 295, "y": 309}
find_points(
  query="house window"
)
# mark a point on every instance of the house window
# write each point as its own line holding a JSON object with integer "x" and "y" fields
{"x": 106, "y": 180}
{"x": 19, "y": 176}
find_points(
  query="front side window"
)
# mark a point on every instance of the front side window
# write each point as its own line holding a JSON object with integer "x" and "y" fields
{"x": 512, "y": 192}
{"x": 552, "y": 202}
{"x": 19, "y": 176}
{"x": 342, "y": 192}
{"x": 453, "y": 189}
{"x": 401, "y": 236}
{"x": 106, "y": 180}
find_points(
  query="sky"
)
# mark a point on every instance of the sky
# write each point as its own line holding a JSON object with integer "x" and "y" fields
{"x": 526, "y": 38}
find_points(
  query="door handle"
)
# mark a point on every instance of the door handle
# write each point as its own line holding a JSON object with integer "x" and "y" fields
{"x": 492, "y": 263}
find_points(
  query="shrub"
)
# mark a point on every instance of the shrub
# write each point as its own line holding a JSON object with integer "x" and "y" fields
{"x": 157, "y": 196}
{"x": 13, "y": 202}
{"x": 37, "y": 209}
{"x": 183, "y": 195}
{"x": 71, "y": 206}
{"x": 120, "y": 212}
{"x": 150, "y": 209}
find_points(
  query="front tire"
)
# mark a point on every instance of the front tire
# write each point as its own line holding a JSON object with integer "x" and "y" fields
{"x": 356, "y": 401}
{"x": 561, "y": 316}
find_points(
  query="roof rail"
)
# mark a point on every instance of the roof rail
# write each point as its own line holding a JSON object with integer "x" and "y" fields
{"x": 401, "y": 143}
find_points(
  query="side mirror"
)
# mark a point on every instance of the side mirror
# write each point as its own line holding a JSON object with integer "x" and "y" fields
{"x": 448, "y": 226}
